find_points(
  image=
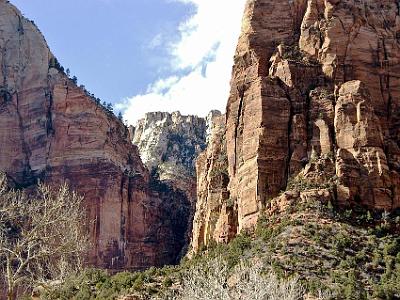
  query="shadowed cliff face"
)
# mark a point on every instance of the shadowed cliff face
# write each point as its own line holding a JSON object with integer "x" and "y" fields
{"x": 50, "y": 130}
{"x": 169, "y": 144}
{"x": 315, "y": 99}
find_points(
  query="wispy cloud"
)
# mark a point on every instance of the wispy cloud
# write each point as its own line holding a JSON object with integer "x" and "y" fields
{"x": 201, "y": 60}
{"x": 156, "y": 41}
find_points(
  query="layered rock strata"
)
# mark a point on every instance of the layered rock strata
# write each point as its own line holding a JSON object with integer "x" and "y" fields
{"x": 51, "y": 130}
{"x": 216, "y": 216}
{"x": 315, "y": 97}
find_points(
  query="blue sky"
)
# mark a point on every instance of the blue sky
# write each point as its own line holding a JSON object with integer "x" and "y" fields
{"x": 144, "y": 55}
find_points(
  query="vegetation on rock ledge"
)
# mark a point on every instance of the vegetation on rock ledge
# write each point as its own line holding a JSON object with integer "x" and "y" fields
{"x": 311, "y": 249}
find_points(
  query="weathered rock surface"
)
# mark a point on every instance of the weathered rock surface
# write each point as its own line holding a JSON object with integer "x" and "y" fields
{"x": 361, "y": 163}
{"x": 169, "y": 144}
{"x": 53, "y": 131}
{"x": 215, "y": 216}
{"x": 314, "y": 101}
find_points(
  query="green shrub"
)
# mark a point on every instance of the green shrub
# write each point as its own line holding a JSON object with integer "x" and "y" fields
{"x": 392, "y": 248}
{"x": 167, "y": 282}
{"x": 124, "y": 280}
{"x": 139, "y": 283}
{"x": 342, "y": 241}
{"x": 236, "y": 249}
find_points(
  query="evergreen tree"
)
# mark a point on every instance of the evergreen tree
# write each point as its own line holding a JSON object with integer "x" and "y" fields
{"x": 110, "y": 107}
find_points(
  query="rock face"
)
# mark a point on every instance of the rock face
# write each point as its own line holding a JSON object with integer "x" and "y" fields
{"x": 169, "y": 145}
{"x": 315, "y": 97}
{"x": 215, "y": 217}
{"x": 53, "y": 131}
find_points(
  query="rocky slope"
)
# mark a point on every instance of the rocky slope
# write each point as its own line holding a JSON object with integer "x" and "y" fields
{"x": 53, "y": 131}
{"x": 315, "y": 103}
{"x": 333, "y": 254}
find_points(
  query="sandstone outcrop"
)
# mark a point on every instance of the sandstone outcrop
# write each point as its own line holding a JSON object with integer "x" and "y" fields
{"x": 315, "y": 101}
{"x": 215, "y": 216}
{"x": 53, "y": 131}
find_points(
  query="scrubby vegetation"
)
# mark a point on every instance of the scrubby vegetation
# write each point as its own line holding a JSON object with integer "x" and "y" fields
{"x": 97, "y": 284}
{"x": 301, "y": 184}
{"x": 352, "y": 254}
{"x": 311, "y": 249}
{"x": 211, "y": 278}
{"x": 292, "y": 52}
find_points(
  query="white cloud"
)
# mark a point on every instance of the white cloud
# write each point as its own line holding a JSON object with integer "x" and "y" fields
{"x": 204, "y": 54}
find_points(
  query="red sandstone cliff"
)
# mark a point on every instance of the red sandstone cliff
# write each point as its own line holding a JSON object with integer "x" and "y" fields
{"x": 315, "y": 98}
{"x": 51, "y": 130}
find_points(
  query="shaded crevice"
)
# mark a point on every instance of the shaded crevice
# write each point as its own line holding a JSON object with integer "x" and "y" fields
{"x": 381, "y": 87}
{"x": 308, "y": 122}
{"x": 290, "y": 150}
{"x": 387, "y": 81}
{"x": 96, "y": 222}
{"x": 28, "y": 178}
{"x": 398, "y": 7}
{"x": 3, "y": 65}
{"x": 49, "y": 122}
{"x": 123, "y": 221}
{"x": 332, "y": 133}
{"x": 389, "y": 104}
{"x": 321, "y": 16}
{"x": 20, "y": 28}
{"x": 384, "y": 79}
{"x": 203, "y": 238}
{"x": 50, "y": 130}
{"x": 239, "y": 118}
{"x": 331, "y": 126}
{"x": 289, "y": 131}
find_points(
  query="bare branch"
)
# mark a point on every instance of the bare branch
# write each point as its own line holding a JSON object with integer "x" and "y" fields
{"x": 42, "y": 237}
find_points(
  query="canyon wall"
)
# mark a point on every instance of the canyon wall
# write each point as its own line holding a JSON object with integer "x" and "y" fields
{"x": 53, "y": 131}
{"x": 215, "y": 216}
{"x": 315, "y": 98}
{"x": 169, "y": 144}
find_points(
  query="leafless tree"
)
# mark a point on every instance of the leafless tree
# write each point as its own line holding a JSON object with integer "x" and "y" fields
{"x": 207, "y": 281}
{"x": 255, "y": 282}
{"x": 42, "y": 237}
{"x": 212, "y": 280}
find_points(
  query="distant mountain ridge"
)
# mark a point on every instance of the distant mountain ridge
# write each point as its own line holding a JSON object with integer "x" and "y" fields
{"x": 169, "y": 144}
